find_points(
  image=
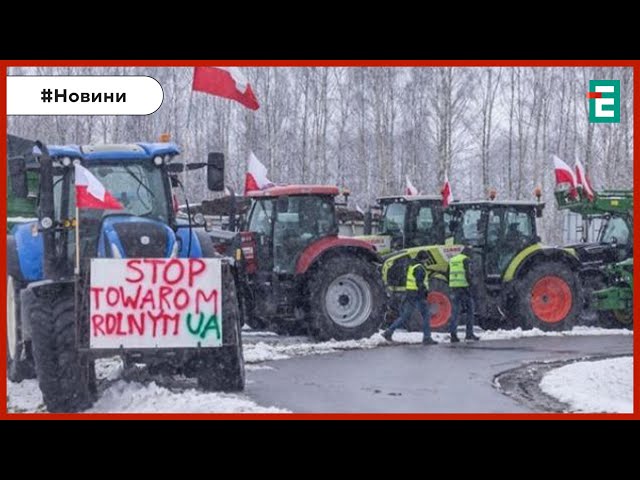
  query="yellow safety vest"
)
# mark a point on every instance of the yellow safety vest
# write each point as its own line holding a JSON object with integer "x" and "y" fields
{"x": 457, "y": 275}
{"x": 411, "y": 284}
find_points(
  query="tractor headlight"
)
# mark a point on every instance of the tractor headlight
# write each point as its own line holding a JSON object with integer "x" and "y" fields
{"x": 199, "y": 219}
{"x": 66, "y": 161}
{"x": 158, "y": 160}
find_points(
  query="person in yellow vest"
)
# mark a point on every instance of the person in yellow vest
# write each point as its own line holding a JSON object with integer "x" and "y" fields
{"x": 415, "y": 298}
{"x": 461, "y": 297}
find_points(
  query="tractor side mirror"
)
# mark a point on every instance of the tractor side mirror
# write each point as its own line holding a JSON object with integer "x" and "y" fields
{"x": 18, "y": 175}
{"x": 282, "y": 204}
{"x": 215, "y": 171}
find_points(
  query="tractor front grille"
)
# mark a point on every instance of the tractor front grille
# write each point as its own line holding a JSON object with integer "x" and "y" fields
{"x": 142, "y": 240}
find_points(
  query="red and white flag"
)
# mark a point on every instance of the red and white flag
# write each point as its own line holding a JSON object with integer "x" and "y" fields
{"x": 564, "y": 173}
{"x": 410, "y": 190}
{"x": 583, "y": 181}
{"x": 256, "y": 178}
{"x": 90, "y": 193}
{"x": 227, "y": 82}
{"x": 447, "y": 195}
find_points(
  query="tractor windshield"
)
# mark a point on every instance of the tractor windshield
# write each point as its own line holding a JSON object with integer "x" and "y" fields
{"x": 139, "y": 187}
{"x": 393, "y": 218}
{"x": 616, "y": 230}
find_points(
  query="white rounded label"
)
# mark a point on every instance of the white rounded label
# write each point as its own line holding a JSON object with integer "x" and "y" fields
{"x": 83, "y": 95}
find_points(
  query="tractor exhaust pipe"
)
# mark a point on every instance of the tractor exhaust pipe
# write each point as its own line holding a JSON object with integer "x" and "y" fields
{"x": 47, "y": 212}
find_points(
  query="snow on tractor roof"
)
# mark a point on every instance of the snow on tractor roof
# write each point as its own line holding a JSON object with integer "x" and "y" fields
{"x": 502, "y": 203}
{"x": 280, "y": 191}
{"x": 134, "y": 151}
{"x": 410, "y": 198}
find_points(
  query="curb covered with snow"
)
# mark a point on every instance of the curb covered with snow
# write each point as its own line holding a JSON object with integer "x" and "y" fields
{"x": 602, "y": 386}
{"x": 262, "y": 351}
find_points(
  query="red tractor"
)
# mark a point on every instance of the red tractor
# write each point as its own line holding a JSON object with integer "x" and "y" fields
{"x": 299, "y": 275}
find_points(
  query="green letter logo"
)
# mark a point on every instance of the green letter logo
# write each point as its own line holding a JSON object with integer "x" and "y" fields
{"x": 604, "y": 101}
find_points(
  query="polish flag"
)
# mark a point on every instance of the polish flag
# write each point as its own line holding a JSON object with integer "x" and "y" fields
{"x": 447, "y": 195}
{"x": 256, "y": 178}
{"x": 227, "y": 82}
{"x": 564, "y": 173}
{"x": 410, "y": 190}
{"x": 90, "y": 193}
{"x": 583, "y": 181}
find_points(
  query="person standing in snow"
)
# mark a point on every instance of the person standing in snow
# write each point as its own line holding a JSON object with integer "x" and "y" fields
{"x": 461, "y": 296}
{"x": 415, "y": 298}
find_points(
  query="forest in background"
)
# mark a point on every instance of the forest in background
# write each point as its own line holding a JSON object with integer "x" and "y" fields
{"x": 365, "y": 128}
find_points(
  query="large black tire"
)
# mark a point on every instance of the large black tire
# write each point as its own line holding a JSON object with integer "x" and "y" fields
{"x": 347, "y": 299}
{"x": 548, "y": 297}
{"x": 63, "y": 374}
{"x": 222, "y": 368}
{"x": 439, "y": 299}
{"x": 19, "y": 357}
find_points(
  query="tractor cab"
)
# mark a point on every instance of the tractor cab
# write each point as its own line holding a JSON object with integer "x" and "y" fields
{"x": 498, "y": 231}
{"x": 286, "y": 220}
{"x": 408, "y": 221}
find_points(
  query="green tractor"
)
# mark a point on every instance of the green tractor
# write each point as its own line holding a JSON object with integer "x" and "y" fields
{"x": 617, "y": 299}
{"x": 604, "y": 261}
{"x": 517, "y": 280}
{"x": 408, "y": 221}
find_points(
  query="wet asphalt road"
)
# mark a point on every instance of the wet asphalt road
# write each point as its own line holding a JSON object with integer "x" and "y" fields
{"x": 443, "y": 378}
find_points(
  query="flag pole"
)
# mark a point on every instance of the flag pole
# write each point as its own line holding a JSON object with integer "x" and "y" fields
{"x": 77, "y": 270}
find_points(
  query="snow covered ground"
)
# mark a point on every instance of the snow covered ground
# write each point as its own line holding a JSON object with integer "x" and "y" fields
{"x": 603, "y": 386}
{"x": 279, "y": 348}
{"x": 125, "y": 394}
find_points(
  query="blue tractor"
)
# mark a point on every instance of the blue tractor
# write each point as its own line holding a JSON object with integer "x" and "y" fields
{"x": 49, "y": 265}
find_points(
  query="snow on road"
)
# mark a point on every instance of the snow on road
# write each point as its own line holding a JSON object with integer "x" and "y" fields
{"x": 603, "y": 386}
{"x": 122, "y": 395}
{"x": 278, "y": 348}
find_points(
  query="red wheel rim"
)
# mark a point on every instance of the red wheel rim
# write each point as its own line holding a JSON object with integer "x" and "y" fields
{"x": 443, "y": 314}
{"x": 551, "y": 299}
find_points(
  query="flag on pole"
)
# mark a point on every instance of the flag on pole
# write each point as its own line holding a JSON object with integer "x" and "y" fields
{"x": 410, "y": 190}
{"x": 227, "y": 82}
{"x": 256, "y": 178}
{"x": 90, "y": 193}
{"x": 583, "y": 181}
{"x": 447, "y": 195}
{"x": 564, "y": 173}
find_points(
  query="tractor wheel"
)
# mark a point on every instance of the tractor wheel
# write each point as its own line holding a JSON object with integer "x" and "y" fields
{"x": 19, "y": 359}
{"x": 549, "y": 297}
{"x": 347, "y": 299}
{"x": 63, "y": 374}
{"x": 222, "y": 368}
{"x": 439, "y": 298}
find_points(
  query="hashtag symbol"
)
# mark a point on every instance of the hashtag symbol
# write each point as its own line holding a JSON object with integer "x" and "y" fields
{"x": 46, "y": 95}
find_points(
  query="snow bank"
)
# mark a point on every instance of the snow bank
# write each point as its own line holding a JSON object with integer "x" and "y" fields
{"x": 263, "y": 351}
{"x": 603, "y": 386}
{"x": 133, "y": 397}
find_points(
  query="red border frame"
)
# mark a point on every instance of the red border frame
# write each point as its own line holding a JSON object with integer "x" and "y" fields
{"x": 335, "y": 63}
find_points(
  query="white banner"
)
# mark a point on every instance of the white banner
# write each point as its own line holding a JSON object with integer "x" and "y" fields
{"x": 155, "y": 303}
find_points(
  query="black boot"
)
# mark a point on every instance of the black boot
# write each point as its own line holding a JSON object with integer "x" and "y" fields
{"x": 387, "y": 334}
{"x": 471, "y": 337}
{"x": 429, "y": 341}
{"x": 454, "y": 338}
